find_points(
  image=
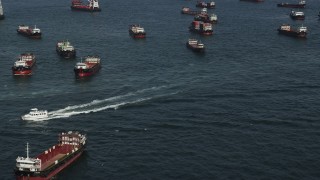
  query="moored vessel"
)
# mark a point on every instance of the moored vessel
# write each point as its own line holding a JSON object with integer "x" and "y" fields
{"x": 195, "y": 45}
{"x": 300, "y": 4}
{"x": 300, "y": 32}
{"x": 89, "y": 67}
{"x": 297, "y": 15}
{"x": 186, "y": 10}
{"x": 35, "y": 115}
{"x": 201, "y": 28}
{"x": 52, "y": 161}
{"x": 65, "y": 49}
{"x": 203, "y": 4}
{"x": 29, "y": 32}
{"x": 1, "y": 11}
{"x": 207, "y": 18}
{"x": 92, "y": 6}
{"x": 24, "y": 65}
{"x": 136, "y": 31}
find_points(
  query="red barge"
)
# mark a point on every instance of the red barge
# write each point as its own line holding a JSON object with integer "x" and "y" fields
{"x": 195, "y": 45}
{"x": 89, "y": 67}
{"x": 301, "y": 4}
{"x": 201, "y": 28}
{"x": 300, "y": 32}
{"x": 34, "y": 33}
{"x": 49, "y": 163}
{"x": 23, "y": 66}
{"x": 93, "y": 6}
{"x": 136, "y": 31}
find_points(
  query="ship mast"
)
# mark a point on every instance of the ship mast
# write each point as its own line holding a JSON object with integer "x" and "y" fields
{"x": 27, "y": 150}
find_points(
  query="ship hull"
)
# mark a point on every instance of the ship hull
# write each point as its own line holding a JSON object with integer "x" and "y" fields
{"x": 195, "y": 48}
{"x": 24, "y": 72}
{"x": 87, "y": 72}
{"x": 297, "y": 17}
{"x": 191, "y": 12}
{"x": 1, "y": 17}
{"x": 30, "y": 35}
{"x": 137, "y": 35}
{"x": 201, "y": 32}
{"x": 53, "y": 171}
{"x": 85, "y": 8}
{"x": 293, "y": 33}
{"x": 291, "y": 5}
{"x": 66, "y": 54}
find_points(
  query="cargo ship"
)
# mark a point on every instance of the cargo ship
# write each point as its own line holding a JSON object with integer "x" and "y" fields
{"x": 92, "y": 6}
{"x": 136, "y": 31}
{"x": 1, "y": 11}
{"x": 65, "y": 49}
{"x": 186, "y": 10}
{"x": 201, "y": 28}
{"x": 89, "y": 67}
{"x": 253, "y": 0}
{"x": 52, "y": 161}
{"x": 34, "y": 33}
{"x": 202, "y": 4}
{"x": 300, "y": 4}
{"x": 195, "y": 45}
{"x": 297, "y": 15}
{"x": 23, "y": 66}
{"x": 300, "y": 32}
{"x": 207, "y": 18}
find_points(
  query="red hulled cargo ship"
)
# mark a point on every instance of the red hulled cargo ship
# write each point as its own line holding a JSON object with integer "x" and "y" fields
{"x": 92, "y": 6}
{"x": 34, "y": 33}
{"x": 23, "y": 66}
{"x": 49, "y": 163}
{"x": 186, "y": 10}
{"x": 300, "y": 32}
{"x": 207, "y": 18}
{"x": 89, "y": 67}
{"x": 136, "y": 31}
{"x": 300, "y": 4}
{"x": 201, "y": 28}
{"x": 195, "y": 45}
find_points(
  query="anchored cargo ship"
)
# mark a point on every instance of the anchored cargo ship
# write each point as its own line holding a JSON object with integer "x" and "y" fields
{"x": 136, "y": 31}
{"x": 201, "y": 28}
{"x": 65, "y": 49}
{"x": 203, "y": 4}
{"x": 300, "y": 32}
{"x": 195, "y": 45}
{"x": 186, "y": 10}
{"x": 1, "y": 11}
{"x": 92, "y": 6}
{"x": 300, "y": 4}
{"x": 207, "y": 18}
{"x": 89, "y": 67}
{"x": 29, "y": 32}
{"x": 49, "y": 163}
{"x": 297, "y": 15}
{"x": 24, "y": 65}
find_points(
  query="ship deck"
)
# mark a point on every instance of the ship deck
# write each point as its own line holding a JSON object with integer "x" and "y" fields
{"x": 51, "y": 161}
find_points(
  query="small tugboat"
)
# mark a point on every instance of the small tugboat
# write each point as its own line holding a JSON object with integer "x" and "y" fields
{"x": 34, "y": 33}
{"x": 23, "y": 66}
{"x": 253, "y": 0}
{"x": 207, "y": 18}
{"x": 65, "y": 49}
{"x": 202, "y": 4}
{"x": 195, "y": 45}
{"x": 35, "y": 115}
{"x": 93, "y": 6}
{"x": 297, "y": 15}
{"x": 300, "y": 32}
{"x": 89, "y": 67}
{"x": 136, "y": 31}
{"x": 1, "y": 11}
{"x": 201, "y": 28}
{"x": 52, "y": 161}
{"x": 301, "y": 4}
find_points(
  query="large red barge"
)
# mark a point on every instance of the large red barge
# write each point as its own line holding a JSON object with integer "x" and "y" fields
{"x": 34, "y": 33}
{"x": 93, "y": 5}
{"x": 89, "y": 67}
{"x": 201, "y": 28}
{"x": 136, "y": 31}
{"x": 23, "y": 66}
{"x": 48, "y": 164}
{"x": 300, "y": 32}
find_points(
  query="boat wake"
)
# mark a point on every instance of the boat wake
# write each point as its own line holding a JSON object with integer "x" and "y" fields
{"x": 111, "y": 103}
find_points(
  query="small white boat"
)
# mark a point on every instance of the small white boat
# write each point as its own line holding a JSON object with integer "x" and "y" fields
{"x": 35, "y": 115}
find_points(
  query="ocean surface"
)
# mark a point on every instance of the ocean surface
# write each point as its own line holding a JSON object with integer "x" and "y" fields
{"x": 247, "y": 109}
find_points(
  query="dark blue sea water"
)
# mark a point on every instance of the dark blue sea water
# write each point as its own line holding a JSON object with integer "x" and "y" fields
{"x": 247, "y": 109}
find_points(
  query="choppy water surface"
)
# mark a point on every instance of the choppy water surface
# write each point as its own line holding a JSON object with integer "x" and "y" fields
{"x": 247, "y": 109}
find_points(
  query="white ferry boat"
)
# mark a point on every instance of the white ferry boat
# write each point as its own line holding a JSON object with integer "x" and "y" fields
{"x": 35, "y": 115}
